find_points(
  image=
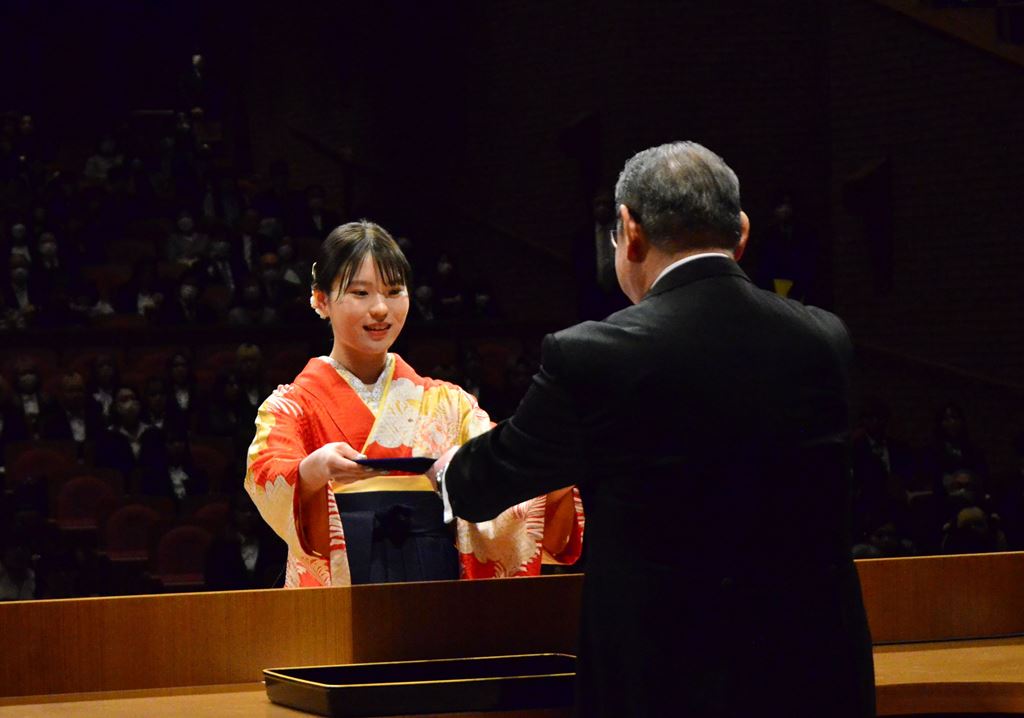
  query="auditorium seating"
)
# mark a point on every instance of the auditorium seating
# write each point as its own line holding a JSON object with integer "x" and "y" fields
{"x": 129, "y": 533}
{"x": 82, "y": 502}
{"x": 181, "y": 558}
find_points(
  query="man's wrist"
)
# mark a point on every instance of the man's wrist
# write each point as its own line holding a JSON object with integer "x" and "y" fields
{"x": 439, "y": 476}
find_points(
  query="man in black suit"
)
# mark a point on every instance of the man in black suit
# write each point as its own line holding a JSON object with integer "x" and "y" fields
{"x": 707, "y": 426}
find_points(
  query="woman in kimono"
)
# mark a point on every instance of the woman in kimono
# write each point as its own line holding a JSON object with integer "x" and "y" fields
{"x": 345, "y": 523}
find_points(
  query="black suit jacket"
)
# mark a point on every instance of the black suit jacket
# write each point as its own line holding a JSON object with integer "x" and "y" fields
{"x": 706, "y": 428}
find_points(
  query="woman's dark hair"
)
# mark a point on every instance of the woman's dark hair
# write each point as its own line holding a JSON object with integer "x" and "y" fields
{"x": 345, "y": 248}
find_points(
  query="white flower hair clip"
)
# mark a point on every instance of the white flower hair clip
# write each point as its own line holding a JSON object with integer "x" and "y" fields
{"x": 312, "y": 295}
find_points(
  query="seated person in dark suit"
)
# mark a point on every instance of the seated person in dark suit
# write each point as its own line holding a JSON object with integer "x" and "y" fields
{"x": 183, "y": 390}
{"x": 173, "y": 472}
{"x": 27, "y": 401}
{"x": 75, "y": 416}
{"x": 128, "y": 444}
{"x": 246, "y": 554}
{"x": 19, "y": 294}
{"x": 184, "y": 308}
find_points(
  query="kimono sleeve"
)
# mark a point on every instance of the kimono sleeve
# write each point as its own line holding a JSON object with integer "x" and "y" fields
{"x": 272, "y": 466}
{"x": 539, "y": 521}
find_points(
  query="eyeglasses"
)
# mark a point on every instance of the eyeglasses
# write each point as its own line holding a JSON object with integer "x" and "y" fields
{"x": 614, "y": 231}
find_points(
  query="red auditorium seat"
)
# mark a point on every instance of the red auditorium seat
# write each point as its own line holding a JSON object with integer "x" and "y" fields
{"x": 152, "y": 362}
{"x": 212, "y": 456}
{"x": 218, "y": 298}
{"x": 129, "y": 533}
{"x": 44, "y": 360}
{"x": 213, "y": 516}
{"x": 129, "y": 251}
{"x": 219, "y": 361}
{"x": 107, "y": 278}
{"x": 181, "y": 557}
{"x": 82, "y": 501}
{"x": 50, "y": 461}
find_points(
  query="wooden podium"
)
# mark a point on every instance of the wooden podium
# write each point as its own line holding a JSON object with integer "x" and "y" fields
{"x": 944, "y": 626}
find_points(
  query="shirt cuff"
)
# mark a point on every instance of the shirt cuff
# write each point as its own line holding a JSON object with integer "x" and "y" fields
{"x": 442, "y": 486}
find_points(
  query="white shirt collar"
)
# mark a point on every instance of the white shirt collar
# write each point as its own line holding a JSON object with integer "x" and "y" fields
{"x": 684, "y": 260}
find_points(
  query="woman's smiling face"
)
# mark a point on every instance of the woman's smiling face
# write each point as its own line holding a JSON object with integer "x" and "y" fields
{"x": 368, "y": 315}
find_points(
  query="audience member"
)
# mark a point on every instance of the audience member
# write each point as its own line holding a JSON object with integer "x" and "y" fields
{"x": 230, "y": 415}
{"x": 973, "y": 530}
{"x": 49, "y": 273}
{"x": 882, "y": 467}
{"x": 17, "y": 579}
{"x": 144, "y": 293}
{"x": 884, "y": 541}
{"x": 75, "y": 416}
{"x": 106, "y": 157}
{"x": 952, "y": 450}
{"x": 245, "y": 554}
{"x": 27, "y": 400}
{"x": 173, "y": 472}
{"x": 158, "y": 410}
{"x": 316, "y": 220}
{"x": 104, "y": 379}
{"x": 128, "y": 444}
{"x": 277, "y": 293}
{"x": 250, "y": 310}
{"x": 21, "y": 296}
{"x": 19, "y": 241}
{"x": 183, "y": 388}
{"x": 185, "y": 307}
{"x": 449, "y": 293}
{"x": 222, "y": 269}
{"x": 249, "y": 365}
{"x": 186, "y": 245}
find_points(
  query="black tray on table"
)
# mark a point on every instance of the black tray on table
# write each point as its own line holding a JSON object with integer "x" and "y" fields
{"x": 490, "y": 683}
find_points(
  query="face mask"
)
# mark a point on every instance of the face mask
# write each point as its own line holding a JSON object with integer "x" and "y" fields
{"x": 185, "y": 225}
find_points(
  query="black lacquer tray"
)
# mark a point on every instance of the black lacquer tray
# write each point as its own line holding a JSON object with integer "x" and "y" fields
{"x": 492, "y": 683}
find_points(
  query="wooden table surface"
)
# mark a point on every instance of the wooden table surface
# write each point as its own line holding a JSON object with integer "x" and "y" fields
{"x": 985, "y": 676}
{"x": 246, "y": 700}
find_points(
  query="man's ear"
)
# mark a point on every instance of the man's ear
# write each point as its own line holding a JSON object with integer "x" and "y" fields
{"x": 741, "y": 246}
{"x": 634, "y": 236}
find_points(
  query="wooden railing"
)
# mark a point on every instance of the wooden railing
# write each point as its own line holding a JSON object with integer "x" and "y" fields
{"x": 948, "y": 628}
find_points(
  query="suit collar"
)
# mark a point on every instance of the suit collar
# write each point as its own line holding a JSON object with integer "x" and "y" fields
{"x": 703, "y": 268}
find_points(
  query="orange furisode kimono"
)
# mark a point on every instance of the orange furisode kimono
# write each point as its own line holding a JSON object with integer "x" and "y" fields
{"x": 416, "y": 416}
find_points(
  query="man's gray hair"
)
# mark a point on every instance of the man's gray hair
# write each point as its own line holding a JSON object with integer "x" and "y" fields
{"x": 682, "y": 194}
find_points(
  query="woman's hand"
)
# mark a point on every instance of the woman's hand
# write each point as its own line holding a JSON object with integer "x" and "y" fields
{"x": 331, "y": 462}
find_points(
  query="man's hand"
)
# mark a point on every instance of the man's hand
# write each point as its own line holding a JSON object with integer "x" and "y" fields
{"x": 441, "y": 463}
{"x": 331, "y": 462}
